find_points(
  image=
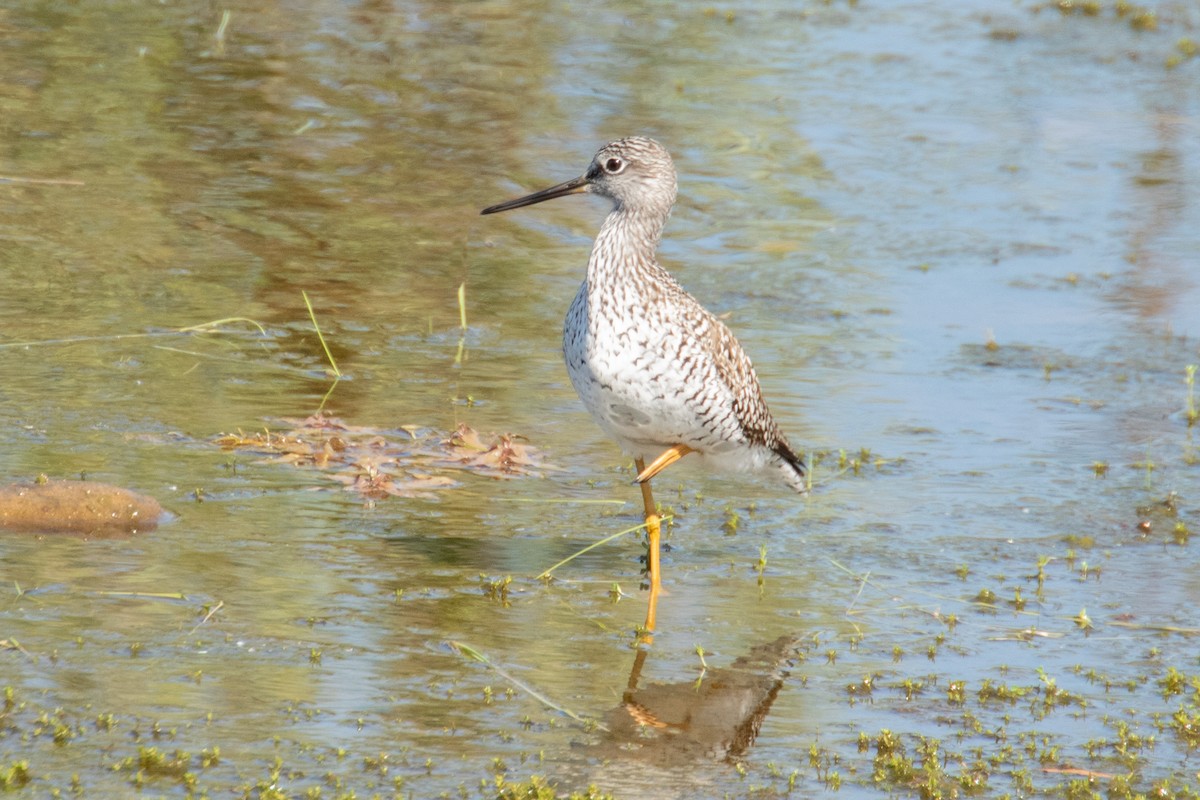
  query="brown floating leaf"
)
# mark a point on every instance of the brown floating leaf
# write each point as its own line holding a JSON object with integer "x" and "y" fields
{"x": 504, "y": 455}
{"x": 264, "y": 442}
{"x": 378, "y": 485}
{"x": 465, "y": 437}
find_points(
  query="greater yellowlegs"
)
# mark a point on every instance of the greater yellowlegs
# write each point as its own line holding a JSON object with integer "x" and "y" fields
{"x": 657, "y": 371}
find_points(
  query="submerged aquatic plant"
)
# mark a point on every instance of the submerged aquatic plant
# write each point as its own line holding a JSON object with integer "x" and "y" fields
{"x": 1192, "y": 412}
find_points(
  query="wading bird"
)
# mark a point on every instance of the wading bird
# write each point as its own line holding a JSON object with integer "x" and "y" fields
{"x": 658, "y": 372}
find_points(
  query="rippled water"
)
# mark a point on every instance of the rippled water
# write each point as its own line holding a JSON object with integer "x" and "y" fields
{"x": 958, "y": 240}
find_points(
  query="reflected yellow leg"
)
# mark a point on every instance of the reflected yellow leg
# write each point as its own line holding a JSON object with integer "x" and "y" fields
{"x": 654, "y": 533}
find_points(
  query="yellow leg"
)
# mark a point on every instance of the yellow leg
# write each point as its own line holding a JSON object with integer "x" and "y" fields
{"x": 654, "y": 533}
{"x": 668, "y": 457}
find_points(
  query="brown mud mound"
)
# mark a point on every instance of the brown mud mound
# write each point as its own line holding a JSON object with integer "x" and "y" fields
{"x": 80, "y": 507}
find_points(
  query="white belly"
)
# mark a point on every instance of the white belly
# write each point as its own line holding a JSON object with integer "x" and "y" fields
{"x": 649, "y": 384}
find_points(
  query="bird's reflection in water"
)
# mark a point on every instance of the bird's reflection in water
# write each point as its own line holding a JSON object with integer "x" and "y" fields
{"x": 715, "y": 717}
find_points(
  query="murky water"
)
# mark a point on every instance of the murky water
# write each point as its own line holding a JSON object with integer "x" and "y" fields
{"x": 958, "y": 238}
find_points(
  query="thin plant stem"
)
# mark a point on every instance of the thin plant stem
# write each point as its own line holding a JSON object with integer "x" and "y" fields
{"x": 312, "y": 315}
{"x": 1192, "y": 413}
{"x": 462, "y": 323}
{"x": 471, "y": 652}
{"x": 204, "y": 327}
{"x": 594, "y": 545}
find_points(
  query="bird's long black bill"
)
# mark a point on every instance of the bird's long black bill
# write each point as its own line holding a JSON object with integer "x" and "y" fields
{"x": 573, "y": 186}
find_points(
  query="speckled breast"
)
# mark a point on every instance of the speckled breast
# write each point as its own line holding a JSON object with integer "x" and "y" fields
{"x": 645, "y": 383}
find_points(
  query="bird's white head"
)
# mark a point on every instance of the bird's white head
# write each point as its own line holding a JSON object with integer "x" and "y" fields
{"x": 636, "y": 173}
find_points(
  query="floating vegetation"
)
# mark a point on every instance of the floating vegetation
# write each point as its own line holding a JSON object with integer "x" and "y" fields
{"x": 537, "y": 788}
{"x": 1139, "y": 17}
{"x": 374, "y": 464}
{"x": 15, "y": 775}
{"x": 1185, "y": 50}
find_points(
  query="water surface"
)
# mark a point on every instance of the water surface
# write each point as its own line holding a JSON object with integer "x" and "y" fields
{"x": 959, "y": 243}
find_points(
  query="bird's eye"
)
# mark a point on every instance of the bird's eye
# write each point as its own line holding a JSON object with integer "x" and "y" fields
{"x": 613, "y": 166}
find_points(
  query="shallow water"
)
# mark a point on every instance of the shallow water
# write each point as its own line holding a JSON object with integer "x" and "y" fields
{"x": 873, "y": 195}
